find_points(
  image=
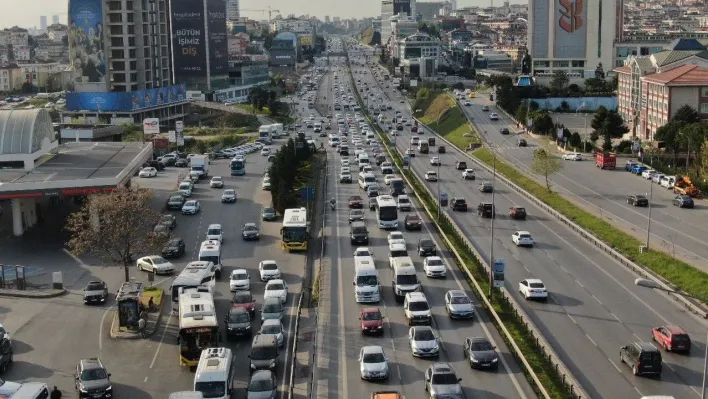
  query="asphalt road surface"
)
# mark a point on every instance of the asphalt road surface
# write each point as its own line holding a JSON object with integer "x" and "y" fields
{"x": 604, "y": 192}
{"x": 594, "y": 308}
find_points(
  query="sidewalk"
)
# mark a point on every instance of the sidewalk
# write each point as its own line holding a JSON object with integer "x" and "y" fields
{"x": 153, "y": 322}
{"x": 305, "y": 356}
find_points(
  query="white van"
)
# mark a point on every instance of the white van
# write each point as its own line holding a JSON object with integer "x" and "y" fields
{"x": 405, "y": 279}
{"x": 333, "y": 140}
{"x": 362, "y": 160}
{"x": 366, "y": 179}
{"x": 668, "y": 181}
{"x": 415, "y": 140}
{"x": 30, "y": 390}
{"x": 366, "y": 280}
{"x": 215, "y": 373}
{"x": 210, "y": 251}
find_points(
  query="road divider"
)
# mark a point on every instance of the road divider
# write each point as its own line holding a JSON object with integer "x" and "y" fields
{"x": 544, "y": 370}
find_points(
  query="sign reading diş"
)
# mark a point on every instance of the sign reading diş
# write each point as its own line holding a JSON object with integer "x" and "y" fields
{"x": 151, "y": 125}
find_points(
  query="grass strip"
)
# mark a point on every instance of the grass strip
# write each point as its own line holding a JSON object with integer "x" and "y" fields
{"x": 682, "y": 275}
{"x": 541, "y": 365}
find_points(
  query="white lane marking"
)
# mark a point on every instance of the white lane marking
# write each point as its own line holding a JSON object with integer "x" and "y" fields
{"x": 162, "y": 338}
{"x": 340, "y": 288}
{"x": 572, "y": 319}
{"x": 591, "y": 340}
{"x": 145, "y": 379}
{"x": 100, "y": 327}
{"x": 598, "y": 301}
{"x": 615, "y": 316}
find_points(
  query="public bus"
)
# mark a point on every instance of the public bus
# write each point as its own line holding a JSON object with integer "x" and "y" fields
{"x": 471, "y": 94}
{"x": 198, "y": 325}
{"x": 197, "y": 274}
{"x": 294, "y": 233}
{"x": 387, "y": 212}
{"x": 238, "y": 167}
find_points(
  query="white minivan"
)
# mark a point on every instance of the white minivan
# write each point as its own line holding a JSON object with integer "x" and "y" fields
{"x": 366, "y": 280}
{"x": 215, "y": 373}
{"x": 366, "y": 179}
{"x": 333, "y": 140}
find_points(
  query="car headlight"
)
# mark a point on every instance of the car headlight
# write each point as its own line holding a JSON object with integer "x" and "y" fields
{"x": 110, "y": 388}
{"x": 253, "y": 367}
{"x": 495, "y": 360}
{"x": 272, "y": 365}
{"x": 474, "y": 360}
{"x": 82, "y": 389}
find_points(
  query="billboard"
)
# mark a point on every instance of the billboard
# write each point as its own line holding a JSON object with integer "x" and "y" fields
{"x": 402, "y": 7}
{"x": 305, "y": 40}
{"x": 151, "y": 125}
{"x": 188, "y": 41}
{"x": 125, "y": 101}
{"x": 236, "y": 45}
{"x": 218, "y": 44}
{"x": 570, "y": 29}
{"x": 86, "y": 43}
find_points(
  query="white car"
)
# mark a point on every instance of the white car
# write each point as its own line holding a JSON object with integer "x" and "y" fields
{"x": 216, "y": 182}
{"x": 572, "y": 156}
{"x": 522, "y": 239}
{"x": 265, "y": 151}
{"x": 345, "y": 162}
{"x": 239, "y": 280}
{"x": 533, "y": 288}
{"x": 4, "y": 333}
{"x": 388, "y": 178}
{"x": 367, "y": 169}
{"x": 228, "y": 196}
{"x": 363, "y": 251}
{"x": 275, "y": 328}
{"x": 191, "y": 207}
{"x": 268, "y": 270}
{"x": 396, "y": 237}
{"x": 373, "y": 363}
{"x": 431, "y": 176}
{"x": 148, "y": 172}
{"x": 433, "y": 266}
{"x": 155, "y": 264}
{"x": 435, "y": 161}
{"x": 493, "y": 116}
{"x": 345, "y": 170}
{"x": 649, "y": 173}
{"x": 467, "y": 103}
{"x": 468, "y": 174}
{"x": 423, "y": 341}
{"x": 266, "y": 184}
{"x": 276, "y": 288}
{"x": 214, "y": 232}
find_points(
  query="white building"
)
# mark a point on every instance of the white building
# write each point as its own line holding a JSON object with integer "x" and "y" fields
{"x": 419, "y": 45}
{"x": 296, "y": 26}
{"x": 389, "y": 8}
{"x": 14, "y": 36}
{"x": 232, "y": 10}
{"x": 401, "y": 27}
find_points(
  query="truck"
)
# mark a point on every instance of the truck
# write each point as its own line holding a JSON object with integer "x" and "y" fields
{"x": 414, "y": 128}
{"x": 277, "y": 130}
{"x": 423, "y": 147}
{"x": 265, "y": 134}
{"x": 684, "y": 186}
{"x": 605, "y": 160}
{"x": 200, "y": 165}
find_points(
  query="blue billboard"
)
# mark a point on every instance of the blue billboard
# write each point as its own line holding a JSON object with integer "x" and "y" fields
{"x": 86, "y": 45}
{"x": 125, "y": 101}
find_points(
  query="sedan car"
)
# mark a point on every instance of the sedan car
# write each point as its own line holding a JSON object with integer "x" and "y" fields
{"x": 522, "y": 239}
{"x": 468, "y": 174}
{"x": 433, "y": 266}
{"x": 268, "y": 270}
{"x": 480, "y": 353}
{"x": 174, "y": 248}
{"x": 533, "y": 288}
{"x": 345, "y": 178}
{"x": 442, "y": 382}
{"x": 423, "y": 342}
{"x": 355, "y": 202}
{"x": 155, "y": 264}
{"x": 682, "y": 201}
{"x": 426, "y": 247}
{"x": 239, "y": 280}
{"x": 268, "y": 213}
{"x": 148, "y": 172}
{"x": 216, "y": 182}
{"x": 572, "y": 156}
{"x": 388, "y": 178}
{"x": 458, "y": 305}
{"x": 356, "y": 215}
{"x": 228, "y": 196}
{"x": 431, "y": 176}
{"x": 396, "y": 237}
{"x": 275, "y": 328}
{"x": 493, "y": 116}
{"x": 250, "y": 232}
{"x": 486, "y": 187}
{"x": 371, "y": 321}
{"x": 638, "y": 200}
{"x": 413, "y": 222}
{"x": 373, "y": 363}
{"x": 191, "y": 207}
{"x": 435, "y": 161}
{"x": 276, "y": 288}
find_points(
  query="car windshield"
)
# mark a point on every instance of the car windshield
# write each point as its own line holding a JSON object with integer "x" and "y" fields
{"x": 250, "y": 228}
{"x": 275, "y": 287}
{"x": 268, "y": 210}
{"x": 167, "y": 218}
{"x": 261, "y": 385}
{"x": 242, "y": 298}
{"x": 270, "y": 266}
{"x": 537, "y": 285}
{"x": 271, "y": 308}
{"x": 214, "y": 232}
{"x": 358, "y": 229}
{"x": 158, "y": 261}
{"x": 444, "y": 379}
{"x": 423, "y": 334}
{"x": 481, "y": 346}
{"x": 371, "y": 316}
{"x": 458, "y": 300}
{"x": 92, "y": 287}
{"x": 264, "y": 352}
{"x": 418, "y": 306}
{"x": 396, "y": 236}
{"x": 426, "y": 243}
{"x": 93, "y": 375}
{"x": 239, "y": 318}
{"x": 176, "y": 198}
{"x": 374, "y": 358}
{"x": 211, "y": 389}
{"x": 363, "y": 252}
{"x": 190, "y": 203}
{"x": 356, "y": 212}
{"x": 366, "y": 281}
{"x": 355, "y": 198}
{"x": 271, "y": 329}
{"x": 239, "y": 276}
{"x": 229, "y": 192}
{"x": 413, "y": 218}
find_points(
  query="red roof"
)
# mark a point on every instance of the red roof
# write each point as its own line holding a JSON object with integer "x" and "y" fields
{"x": 685, "y": 75}
{"x": 623, "y": 69}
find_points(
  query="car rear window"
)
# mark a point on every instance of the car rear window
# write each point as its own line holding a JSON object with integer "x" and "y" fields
{"x": 650, "y": 357}
{"x": 680, "y": 338}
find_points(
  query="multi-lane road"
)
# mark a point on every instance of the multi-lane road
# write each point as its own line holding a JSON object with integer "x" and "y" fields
{"x": 340, "y": 338}
{"x": 604, "y": 192}
{"x": 594, "y": 307}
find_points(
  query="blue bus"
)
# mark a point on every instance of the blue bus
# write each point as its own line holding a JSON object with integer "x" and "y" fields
{"x": 238, "y": 167}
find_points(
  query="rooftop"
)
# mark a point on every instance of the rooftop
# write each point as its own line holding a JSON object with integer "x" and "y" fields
{"x": 685, "y": 75}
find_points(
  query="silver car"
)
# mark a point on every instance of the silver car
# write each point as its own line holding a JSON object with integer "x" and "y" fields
{"x": 442, "y": 382}
{"x": 373, "y": 363}
{"x": 458, "y": 305}
{"x": 273, "y": 327}
{"x": 262, "y": 385}
{"x": 423, "y": 342}
{"x": 272, "y": 309}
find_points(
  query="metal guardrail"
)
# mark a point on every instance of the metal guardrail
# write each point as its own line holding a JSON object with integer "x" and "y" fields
{"x": 293, "y": 354}
{"x": 693, "y": 306}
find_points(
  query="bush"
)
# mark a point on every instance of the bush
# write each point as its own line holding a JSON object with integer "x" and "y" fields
{"x": 624, "y": 147}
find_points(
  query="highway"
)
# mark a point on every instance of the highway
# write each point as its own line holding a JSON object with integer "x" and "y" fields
{"x": 338, "y": 374}
{"x": 604, "y": 192}
{"x": 594, "y": 307}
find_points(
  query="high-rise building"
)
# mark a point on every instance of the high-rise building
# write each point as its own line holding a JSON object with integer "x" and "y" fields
{"x": 389, "y": 8}
{"x": 43, "y": 22}
{"x": 327, "y": 19}
{"x": 571, "y": 35}
{"x": 55, "y": 19}
{"x": 233, "y": 12}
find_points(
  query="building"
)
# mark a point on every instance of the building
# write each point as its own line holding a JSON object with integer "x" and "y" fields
{"x": 293, "y": 25}
{"x": 389, "y": 8}
{"x": 57, "y": 32}
{"x": 401, "y": 27}
{"x": 245, "y": 72}
{"x": 15, "y": 36}
{"x": 120, "y": 64}
{"x": 11, "y": 78}
{"x": 38, "y": 74}
{"x": 642, "y": 45}
{"x": 652, "y": 88}
{"x": 494, "y": 60}
{"x": 43, "y": 22}
{"x": 573, "y": 38}
{"x": 284, "y": 53}
{"x": 428, "y": 11}
{"x": 419, "y": 54}
{"x": 55, "y": 19}
{"x": 51, "y": 50}
{"x": 233, "y": 12}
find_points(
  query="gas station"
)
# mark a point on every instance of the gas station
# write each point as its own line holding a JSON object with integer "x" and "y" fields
{"x": 36, "y": 172}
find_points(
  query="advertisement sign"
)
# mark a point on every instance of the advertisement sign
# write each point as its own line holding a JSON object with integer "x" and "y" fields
{"x": 179, "y": 133}
{"x": 188, "y": 41}
{"x": 305, "y": 40}
{"x": 237, "y": 45}
{"x": 172, "y": 136}
{"x": 248, "y": 57}
{"x": 498, "y": 273}
{"x": 151, "y": 125}
{"x": 86, "y": 46}
{"x": 125, "y": 101}
{"x": 570, "y": 29}
{"x": 218, "y": 44}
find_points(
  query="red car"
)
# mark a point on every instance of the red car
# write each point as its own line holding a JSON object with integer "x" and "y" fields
{"x": 244, "y": 299}
{"x": 672, "y": 338}
{"x": 371, "y": 321}
{"x": 355, "y": 201}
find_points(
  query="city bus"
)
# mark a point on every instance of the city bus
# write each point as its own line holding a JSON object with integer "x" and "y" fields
{"x": 238, "y": 167}
{"x": 386, "y": 212}
{"x": 294, "y": 233}
{"x": 471, "y": 94}
{"x": 197, "y": 274}
{"x": 198, "y": 326}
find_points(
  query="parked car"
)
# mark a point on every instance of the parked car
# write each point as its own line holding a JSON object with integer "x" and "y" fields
{"x": 174, "y": 248}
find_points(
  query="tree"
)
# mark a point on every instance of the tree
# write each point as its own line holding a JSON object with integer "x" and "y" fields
{"x": 612, "y": 127}
{"x": 686, "y": 114}
{"x": 284, "y": 173}
{"x": 116, "y": 227}
{"x": 545, "y": 165}
{"x": 702, "y": 160}
{"x": 560, "y": 81}
{"x": 542, "y": 123}
{"x": 599, "y": 72}
{"x": 522, "y": 113}
{"x": 599, "y": 119}
{"x": 670, "y": 135}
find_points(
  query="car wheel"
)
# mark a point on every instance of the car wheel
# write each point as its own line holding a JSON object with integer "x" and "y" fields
{"x": 621, "y": 358}
{"x": 140, "y": 267}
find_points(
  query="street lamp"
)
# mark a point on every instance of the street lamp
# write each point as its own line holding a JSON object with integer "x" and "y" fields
{"x": 439, "y": 194}
{"x": 585, "y": 131}
{"x": 651, "y": 194}
{"x": 642, "y": 282}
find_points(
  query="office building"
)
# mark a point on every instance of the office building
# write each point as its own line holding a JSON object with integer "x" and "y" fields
{"x": 246, "y": 71}
{"x": 284, "y": 53}
{"x": 428, "y": 11}
{"x": 401, "y": 27}
{"x": 389, "y": 8}
{"x": 120, "y": 64}
{"x": 233, "y": 12}
{"x": 43, "y": 23}
{"x": 571, "y": 35}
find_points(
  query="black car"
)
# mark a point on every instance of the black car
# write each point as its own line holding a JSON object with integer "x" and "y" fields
{"x": 413, "y": 222}
{"x": 174, "y": 248}
{"x": 359, "y": 234}
{"x": 271, "y": 157}
{"x": 642, "y": 357}
{"x": 6, "y": 354}
{"x": 683, "y": 201}
{"x": 182, "y": 163}
{"x": 485, "y": 210}
{"x": 480, "y": 353}
{"x": 219, "y": 155}
{"x": 237, "y": 323}
{"x": 521, "y": 143}
{"x": 175, "y": 201}
{"x": 92, "y": 380}
{"x": 504, "y": 130}
{"x": 459, "y": 204}
{"x": 460, "y": 165}
{"x": 486, "y": 187}
{"x": 96, "y": 291}
{"x": 372, "y": 203}
{"x": 250, "y": 232}
{"x": 426, "y": 247}
{"x": 638, "y": 200}
{"x": 441, "y": 149}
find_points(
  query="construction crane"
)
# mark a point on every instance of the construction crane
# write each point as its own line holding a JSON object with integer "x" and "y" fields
{"x": 270, "y": 12}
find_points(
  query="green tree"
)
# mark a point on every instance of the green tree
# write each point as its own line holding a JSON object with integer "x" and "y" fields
{"x": 422, "y": 93}
{"x": 670, "y": 135}
{"x": 542, "y": 123}
{"x": 594, "y": 84}
{"x": 522, "y": 112}
{"x": 686, "y": 114}
{"x": 545, "y": 165}
{"x": 599, "y": 119}
{"x": 575, "y": 140}
{"x": 285, "y": 173}
{"x": 599, "y": 72}
{"x": 702, "y": 160}
{"x": 560, "y": 81}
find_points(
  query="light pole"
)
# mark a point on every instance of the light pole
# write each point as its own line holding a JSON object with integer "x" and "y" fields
{"x": 642, "y": 282}
{"x": 494, "y": 211}
{"x": 651, "y": 194}
{"x": 439, "y": 194}
{"x": 585, "y": 132}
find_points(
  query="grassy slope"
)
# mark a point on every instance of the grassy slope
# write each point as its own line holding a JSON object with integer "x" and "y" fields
{"x": 442, "y": 114}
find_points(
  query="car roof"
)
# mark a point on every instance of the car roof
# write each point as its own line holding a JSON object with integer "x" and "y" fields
{"x": 237, "y": 271}
{"x": 371, "y": 310}
{"x": 533, "y": 280}
{"x": 237, "y": 309}
{"x": 442, "y": 368}
{"x": 275, "y": 322}
{"x": 214, "y": 226}
{"x": 646, "y": 346}
{"x": 262, "y": 375}
{"x": 523, "y": 232}
{"x": 275, "y": 281}
{"x": 91, "y": 363}
{"x": 250, "y": 225}
{"x": 674, "y": 329}
{"x": 372, "y": 349}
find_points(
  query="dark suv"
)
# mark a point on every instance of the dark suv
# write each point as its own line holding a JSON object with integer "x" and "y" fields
{"x": 459, "y": 204}
{"x": 642, "y": 357}
{"x": 96, "y": 291}
{"x": 460, "y": 165}
{"x": 92, "y": 380}
{"x": 485, "y": 210}
{"x": 359, "y": 234}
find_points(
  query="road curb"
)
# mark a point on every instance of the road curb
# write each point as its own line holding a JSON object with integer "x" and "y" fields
{"x": 30, "y": 294}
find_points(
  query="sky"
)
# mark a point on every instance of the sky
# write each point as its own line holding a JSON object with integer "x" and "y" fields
{"x": 27, "y": 15}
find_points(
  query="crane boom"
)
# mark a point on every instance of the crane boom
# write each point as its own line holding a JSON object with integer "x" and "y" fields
{"x": 270, "y": 12}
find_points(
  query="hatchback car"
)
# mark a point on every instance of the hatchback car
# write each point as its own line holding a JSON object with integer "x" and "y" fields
{"x": 572, "y": 156}
{"x": 672, "y": 338}
{"x": 237, "y": 323}
{"x": 642, "y": 357}
{"x": 423, "y": 342}
{"x": 683, "y": 201}
{"x": 468, "y": 174}
{"x": 458, "y": 305}
{"x": 522, "y": 239}
{"x": 371, "y": 321}
{"x": 191, "y": 207}
{"x": 533, "y": 288}
{"x": 441, "y": 381}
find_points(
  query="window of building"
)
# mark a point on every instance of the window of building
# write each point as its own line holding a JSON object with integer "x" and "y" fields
{"x": 704, "y": 108}
{"x": 578, "y": 64}
{"x": 704, "y": 91}
{"x": 560, "y": 64}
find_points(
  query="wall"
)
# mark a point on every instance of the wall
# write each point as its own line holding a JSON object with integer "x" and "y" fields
{"x": 681, "y": 96}
{"x": 591, "y": 103}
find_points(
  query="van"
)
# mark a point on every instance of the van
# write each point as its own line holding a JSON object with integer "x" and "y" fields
{"x": 397, "y": 187}
{"x": 333, "y": 140}
{"x": 210, "y": 251}
{"x": 31, "y": 390}
{"x": 366, "y": 280}
{"x": 642, "y": 358}
{"x": 186, "y": 395}
{"x": 264, "y": 353}
{"x": 362, "y": 160}
{"x": 366, "y": 179}
{"x": 215, "y": 373}
{"x": 405, "y": 279}
{"x": 417, "y": 309}
{"x": 668, "y": 181}
{"x": 423, "y": 147}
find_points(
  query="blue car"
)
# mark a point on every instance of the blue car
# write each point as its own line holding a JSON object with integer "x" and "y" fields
{"x": 638, "y": 169}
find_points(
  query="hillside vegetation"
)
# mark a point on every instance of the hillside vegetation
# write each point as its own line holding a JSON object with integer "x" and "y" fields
{"x": 439, "y": 111}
